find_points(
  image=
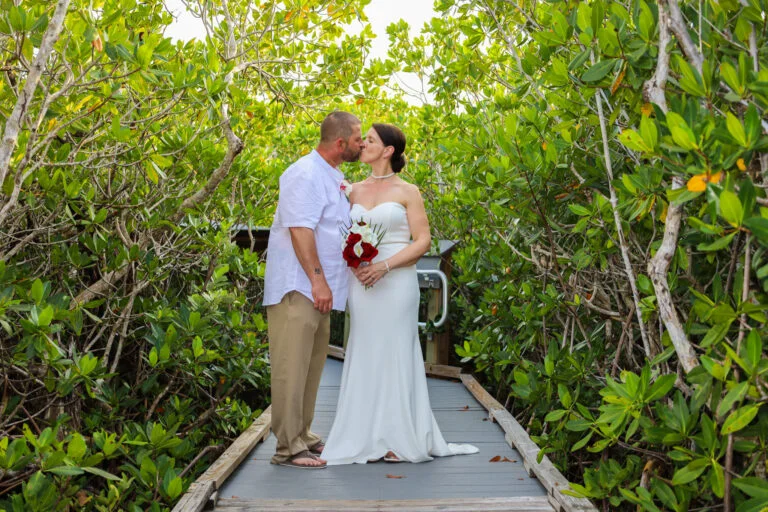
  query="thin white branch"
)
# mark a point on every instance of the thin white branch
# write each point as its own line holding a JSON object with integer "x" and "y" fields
{"x": 619, "y": 229}
{"x": 19, "y": 114}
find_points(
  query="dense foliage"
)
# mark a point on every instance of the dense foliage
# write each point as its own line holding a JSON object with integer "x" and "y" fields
{"x": 603, "y": 165}
{"x": 132, "y": 346}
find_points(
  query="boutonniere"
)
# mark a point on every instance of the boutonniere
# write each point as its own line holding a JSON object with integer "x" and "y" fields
{"x": 346, "y": 187}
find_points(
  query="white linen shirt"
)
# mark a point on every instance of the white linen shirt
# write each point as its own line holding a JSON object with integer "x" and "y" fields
{"x": 310, "y": 197}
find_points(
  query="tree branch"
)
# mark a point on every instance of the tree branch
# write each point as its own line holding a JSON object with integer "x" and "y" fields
{"x": 619, "y": 229}
{"x": 19, "y": 114}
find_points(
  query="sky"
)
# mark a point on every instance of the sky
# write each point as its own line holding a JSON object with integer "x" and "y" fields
{"x": 380, "y": 14}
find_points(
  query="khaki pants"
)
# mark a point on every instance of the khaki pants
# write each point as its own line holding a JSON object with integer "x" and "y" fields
{"x": 298, "y": 346}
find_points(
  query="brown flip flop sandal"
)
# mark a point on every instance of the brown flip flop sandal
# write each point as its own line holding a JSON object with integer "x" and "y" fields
{"x": 317, "y": 448}
{"x": 306, "y": 454}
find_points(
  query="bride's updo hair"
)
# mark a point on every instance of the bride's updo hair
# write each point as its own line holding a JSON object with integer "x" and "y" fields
{"x": 393, "y": 136}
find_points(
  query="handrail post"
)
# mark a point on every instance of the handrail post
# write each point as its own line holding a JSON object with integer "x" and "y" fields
{"x": 444, "y": 315}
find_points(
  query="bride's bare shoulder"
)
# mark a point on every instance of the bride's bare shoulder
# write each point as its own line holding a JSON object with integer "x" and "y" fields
{"x": 410, "y": 189}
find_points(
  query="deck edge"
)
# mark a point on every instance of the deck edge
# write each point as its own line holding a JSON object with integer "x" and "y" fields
{"x": 516, "y": 436}
{"x": 521, "y": 503}
{"x": 196, "y": 497}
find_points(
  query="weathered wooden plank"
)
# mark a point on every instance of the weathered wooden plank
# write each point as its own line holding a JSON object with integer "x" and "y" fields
{"x": 441, "y": 370}
{"x": 213, "y": 500}
{"x": 519, "y": 504}
{"x": 471, "y": 477}
{"x": 239, "y": 450}
{"x": 196, "y": 497}
{"x": 480, "y": 394}
{"x": 336, "y": 352}
{"x": 546, "y": 472}
{"x": 556, "y": 505}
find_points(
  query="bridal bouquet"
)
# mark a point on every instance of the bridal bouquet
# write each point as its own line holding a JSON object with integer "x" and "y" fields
{"x": 359, "y": 243}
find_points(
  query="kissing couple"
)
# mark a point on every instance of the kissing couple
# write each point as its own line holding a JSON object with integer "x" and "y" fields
{"x": 383, "y": 408}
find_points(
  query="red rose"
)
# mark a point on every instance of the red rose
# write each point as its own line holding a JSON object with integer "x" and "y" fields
{"x": 349, "y": 250}
{"x": 369, "y": 252}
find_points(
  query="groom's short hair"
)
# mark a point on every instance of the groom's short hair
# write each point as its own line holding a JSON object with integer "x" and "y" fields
{"x": 338, "y": 125}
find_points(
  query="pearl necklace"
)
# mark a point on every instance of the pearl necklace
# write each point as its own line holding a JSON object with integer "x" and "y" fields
{"x": 383, "y": 177}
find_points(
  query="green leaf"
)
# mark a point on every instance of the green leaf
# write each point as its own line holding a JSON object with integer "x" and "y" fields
{"x": 581, "y": 443}
{"x": 753, "y": 505}
{"x": 36, "y": 291}
{"x": 690, "y": 472}
{"x": 144, "y": 55}
{"x": 579, "y": 210}
{"x": 174, "y": 488}
{"x": 153, "y": 356}
{"x": 197, "y": 347}
{"x": 598, "y": 13}
{"x": 661, "y": 387}
{"x": 581, "y": 57}
{"x": 683, "y": 138}
{"x": 747, "y": 196}
{"x": 759, "y": 228}
{"x": 45, "y": 316}
{"x": 753, "y": 349}
{"x": 633, "y": 140}
{"x": 66, "y": 470}
{"x": 717, "y": 479}
{"x": 736, "y": 129}
{"x": 730, "y": 208}
{"x": 76, "y": 448}
{"x": 730, "y": 77}
{"x": 555, "y": 415}
{"x": 718, "y": 244}
{"x": 649, "y": 132}
{"x": 165, "y": 352}
{"x": 739, "y": 418}
{"x": 734, "y": 395}
{"x": 101, "y": 473}
{"x": 708, "y": 229}
{"x": 716, "y": 333}
{"x": 752, "y": 486}
{"x": 599, "y": 70}
{"x": 691, "y": 80}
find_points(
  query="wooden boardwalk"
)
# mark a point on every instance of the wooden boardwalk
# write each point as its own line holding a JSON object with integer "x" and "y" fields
{"x": 257, "y": 483}
{"x": 244, "y": 480}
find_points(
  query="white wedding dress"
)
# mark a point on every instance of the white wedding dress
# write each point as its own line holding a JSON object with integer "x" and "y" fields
{"x": 383, "y": 400}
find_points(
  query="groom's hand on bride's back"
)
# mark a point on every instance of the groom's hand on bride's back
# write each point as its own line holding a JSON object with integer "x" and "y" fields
{"x": 323, "y": 296}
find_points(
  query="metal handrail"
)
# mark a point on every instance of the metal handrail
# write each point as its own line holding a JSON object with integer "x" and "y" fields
{"x": 444, "y": 279}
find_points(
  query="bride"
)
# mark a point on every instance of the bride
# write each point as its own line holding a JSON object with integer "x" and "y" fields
{"x": 383, "y": 409}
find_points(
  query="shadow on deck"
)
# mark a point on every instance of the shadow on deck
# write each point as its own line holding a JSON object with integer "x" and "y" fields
{"x": 243, "y": 479}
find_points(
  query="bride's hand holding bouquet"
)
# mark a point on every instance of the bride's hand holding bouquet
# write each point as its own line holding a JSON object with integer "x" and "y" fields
{"x": 359, "y": 248}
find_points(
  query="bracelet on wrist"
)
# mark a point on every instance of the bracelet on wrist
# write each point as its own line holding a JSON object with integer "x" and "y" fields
{"x": 386, "y": 263}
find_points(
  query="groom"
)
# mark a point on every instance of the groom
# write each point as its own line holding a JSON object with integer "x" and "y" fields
{"x": 305, "y": 278}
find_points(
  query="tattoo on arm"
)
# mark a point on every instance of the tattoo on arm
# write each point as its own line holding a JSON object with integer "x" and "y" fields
{"x": 318, "y": 271}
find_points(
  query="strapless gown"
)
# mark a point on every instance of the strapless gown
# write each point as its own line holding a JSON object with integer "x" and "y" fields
{"x": 383, "y": 400}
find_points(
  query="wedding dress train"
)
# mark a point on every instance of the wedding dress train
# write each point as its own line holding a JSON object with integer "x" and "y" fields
{"x": 383, "y": 400}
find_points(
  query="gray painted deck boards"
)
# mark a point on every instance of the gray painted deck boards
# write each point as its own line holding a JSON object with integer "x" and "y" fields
{"x": 465, "y": 476}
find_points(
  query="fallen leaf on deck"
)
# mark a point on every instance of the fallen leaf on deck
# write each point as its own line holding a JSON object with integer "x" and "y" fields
{"x": 507, "y": 460}
{"x": 495, "y": 459}
{"x": 465, "y": 408}
{"x": 395, "y": 476}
